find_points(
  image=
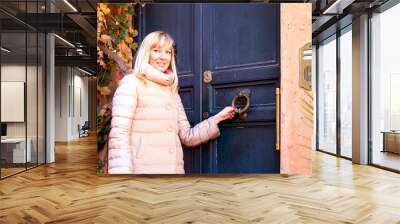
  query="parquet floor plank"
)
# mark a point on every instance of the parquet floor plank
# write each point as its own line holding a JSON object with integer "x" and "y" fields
{"x": 69, "y": 191}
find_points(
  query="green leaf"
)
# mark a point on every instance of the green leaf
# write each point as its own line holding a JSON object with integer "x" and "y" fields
{"x": 103, "y": 82}
{"x": 131, "y": 11}
{"x": 115, "y": 40}
{"x": 123, "y": 35}
{"x": 107, "y": 130}
{"x": 102, "y": 72}
{"x": 100, "y": 140}
{"x": 124, "y": 25}
{"x": 121, "y": 5}
{"x": 120, "y": 18}
{"x": 114, "y": 27}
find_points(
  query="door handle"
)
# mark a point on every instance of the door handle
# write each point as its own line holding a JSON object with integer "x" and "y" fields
{"x": 207, "y": 76}
{"x": 278, "y": 118}
{"x": 241, "y": 111}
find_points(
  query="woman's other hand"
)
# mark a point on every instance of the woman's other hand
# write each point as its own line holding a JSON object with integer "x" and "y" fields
{"x": 225, "y": 114}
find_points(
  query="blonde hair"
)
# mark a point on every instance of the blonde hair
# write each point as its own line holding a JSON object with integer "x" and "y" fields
{"x": 152, "y": 40}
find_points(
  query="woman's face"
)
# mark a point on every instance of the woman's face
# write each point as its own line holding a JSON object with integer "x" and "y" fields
{"x": 160, "y": 57}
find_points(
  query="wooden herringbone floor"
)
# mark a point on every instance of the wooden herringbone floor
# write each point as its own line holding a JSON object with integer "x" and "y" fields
{"x": 69, "y": 191}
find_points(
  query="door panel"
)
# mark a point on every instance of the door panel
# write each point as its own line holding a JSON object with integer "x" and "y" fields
{"x": 238, "y": 147}
{"x": 262, "y": 98}
{"x": 241, "y": 49}
{"x": 233, "y": 30}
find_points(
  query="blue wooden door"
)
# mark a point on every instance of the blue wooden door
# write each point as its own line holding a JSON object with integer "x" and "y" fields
{"x": 239, "y": 46}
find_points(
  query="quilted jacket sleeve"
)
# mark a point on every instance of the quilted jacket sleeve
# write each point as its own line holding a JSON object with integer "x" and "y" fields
{"x": 123, "y": 110}
{"x": 199, "y": 134}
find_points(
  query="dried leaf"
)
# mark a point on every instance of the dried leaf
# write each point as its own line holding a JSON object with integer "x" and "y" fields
{"x": 104, "y": 90}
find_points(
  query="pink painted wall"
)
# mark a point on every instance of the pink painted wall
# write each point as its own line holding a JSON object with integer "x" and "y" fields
{"x": 296, "y": 103}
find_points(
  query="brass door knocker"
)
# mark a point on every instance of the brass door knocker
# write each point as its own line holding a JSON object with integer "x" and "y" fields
{"x": 241, "y": 111}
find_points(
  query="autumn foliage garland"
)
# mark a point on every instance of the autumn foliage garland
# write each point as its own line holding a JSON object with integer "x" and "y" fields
{"x": 115, "y": 49}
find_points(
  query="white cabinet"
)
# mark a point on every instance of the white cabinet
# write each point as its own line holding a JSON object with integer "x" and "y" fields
{"x": 18, "y": 149}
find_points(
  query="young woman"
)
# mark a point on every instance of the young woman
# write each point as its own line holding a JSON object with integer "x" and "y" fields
{"x": 149, "y": 121}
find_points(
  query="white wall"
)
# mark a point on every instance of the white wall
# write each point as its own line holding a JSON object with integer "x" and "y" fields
{"x": 80, "y": 110}
{"x": 12, "y": 73}
{"x": 61, "y": 103}
{"x": 71, "y": 102}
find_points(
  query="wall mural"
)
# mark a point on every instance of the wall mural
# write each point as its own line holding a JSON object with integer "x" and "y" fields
{"x": 243, "y": 103}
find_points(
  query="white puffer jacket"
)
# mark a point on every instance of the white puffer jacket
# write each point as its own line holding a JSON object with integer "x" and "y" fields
{"x": 148, "y": 125}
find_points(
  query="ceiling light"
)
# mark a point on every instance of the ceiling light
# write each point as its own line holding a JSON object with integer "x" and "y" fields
{"x": 86, "y": 72}
{"x": 70, "y": 5}
{"x": 5, "y": 50}
{"x": 64, "y": 40}
{"x": 337, "y": 7}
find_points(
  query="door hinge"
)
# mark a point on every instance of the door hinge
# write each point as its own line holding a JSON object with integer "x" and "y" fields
{"x": 205, "y": 115}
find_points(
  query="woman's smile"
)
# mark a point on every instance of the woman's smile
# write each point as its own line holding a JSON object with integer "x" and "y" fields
{"x": 161, "y": 64}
